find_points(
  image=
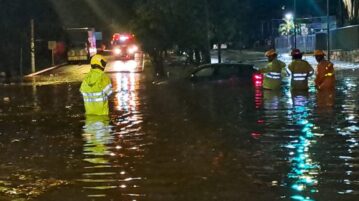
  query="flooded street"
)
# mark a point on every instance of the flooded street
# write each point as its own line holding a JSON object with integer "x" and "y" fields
{"x": 180, "y": 141}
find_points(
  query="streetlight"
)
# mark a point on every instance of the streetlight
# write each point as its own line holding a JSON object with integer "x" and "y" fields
{"x": 288, "y": 16}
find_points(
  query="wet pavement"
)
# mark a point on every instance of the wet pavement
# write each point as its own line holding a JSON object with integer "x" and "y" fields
{"x": 182, "y": 141}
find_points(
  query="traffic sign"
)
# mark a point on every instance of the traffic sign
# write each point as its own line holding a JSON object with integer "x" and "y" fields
{"x": 51, "y": 45}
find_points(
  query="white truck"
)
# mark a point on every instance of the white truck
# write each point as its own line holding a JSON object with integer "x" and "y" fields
{"x": 81, "y": 44}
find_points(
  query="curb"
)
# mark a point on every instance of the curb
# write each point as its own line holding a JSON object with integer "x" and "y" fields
{"x": 45, "y": 70}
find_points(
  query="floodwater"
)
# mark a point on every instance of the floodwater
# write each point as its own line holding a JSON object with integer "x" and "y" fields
{"x": 180, "y": 141}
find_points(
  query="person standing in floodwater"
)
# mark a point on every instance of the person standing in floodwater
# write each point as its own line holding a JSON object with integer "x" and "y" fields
{"x": 325, "y": 78}
{"x": 300, "y": 71}
{"x": 96, "y": 88}
{"x": 272, "y": 72}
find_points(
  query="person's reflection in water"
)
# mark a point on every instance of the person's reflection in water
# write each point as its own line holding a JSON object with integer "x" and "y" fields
{"x": 271, "y": 99}
{"x": 97, "y": 135}
{"x": 97, "y": 155}
{"x": 325, "y": 98}
{"x": 300, "y": 98}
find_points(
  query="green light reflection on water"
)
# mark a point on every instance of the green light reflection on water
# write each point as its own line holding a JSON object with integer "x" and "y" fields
{"x": 302, "y": 179}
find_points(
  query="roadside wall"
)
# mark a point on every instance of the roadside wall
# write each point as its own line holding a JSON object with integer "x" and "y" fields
{"x": 345, "y": 38}
{"x": 344, "y": 43}
{"x": 349, "y": 56}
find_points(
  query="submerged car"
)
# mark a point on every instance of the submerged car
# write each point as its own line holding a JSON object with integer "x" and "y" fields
{"x": 231, "y": 73}
{"x": 242, "y": 73}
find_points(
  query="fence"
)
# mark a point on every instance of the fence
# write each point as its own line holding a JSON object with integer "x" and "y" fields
{"x": 345, "y": 38}
{"x": 284, "y": 44}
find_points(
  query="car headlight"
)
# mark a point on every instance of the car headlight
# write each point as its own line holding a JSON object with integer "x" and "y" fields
{"x": 132, "y": 49}
{"x": 117, "y": 51}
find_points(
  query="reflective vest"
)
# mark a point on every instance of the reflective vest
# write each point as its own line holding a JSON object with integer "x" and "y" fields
{"x": 95, "y": 89}
{"x": 325, "y": 78}
{"x": 300, "y": 71}
{"x": 273, "y": 77}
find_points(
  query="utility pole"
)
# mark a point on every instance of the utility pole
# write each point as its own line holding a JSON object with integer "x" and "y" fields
{"x": 32, "y": 46}
{"x": 219, "y": 53}
{"x": 21, "y": 62}
{"x": 206, "y": 44}
{"x": 340, "y": 3}
{"x": 328, "y": 30}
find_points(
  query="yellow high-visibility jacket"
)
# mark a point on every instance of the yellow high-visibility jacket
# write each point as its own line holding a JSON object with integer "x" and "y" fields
{"x": 300, "y": 71}
{"x": 95, "y": 89}
{"x": 273, "y": 77}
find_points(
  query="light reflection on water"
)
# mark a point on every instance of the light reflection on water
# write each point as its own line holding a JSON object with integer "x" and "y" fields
{"x": 197, "y": 142}
{"x": 318, "y": 133}
{"x": 349, "y": 131}
{"x": 302, "y": 178}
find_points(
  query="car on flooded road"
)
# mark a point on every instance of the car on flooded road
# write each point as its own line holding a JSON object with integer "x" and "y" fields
{"x": 225, "y": 73}
{"x": 126, "y": 53}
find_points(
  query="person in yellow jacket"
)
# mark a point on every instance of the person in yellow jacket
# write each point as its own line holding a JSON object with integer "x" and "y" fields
{"x": 96, "y": 88}
{"x": 325, "y": 78}
{"x": 272, "y": 72}
{"x": 300, "y": 70}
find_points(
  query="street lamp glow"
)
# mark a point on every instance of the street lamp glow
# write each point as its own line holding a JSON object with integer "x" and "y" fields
{"x": 289, "y": 16}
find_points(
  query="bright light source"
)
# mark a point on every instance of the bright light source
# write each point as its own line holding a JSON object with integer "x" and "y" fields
{"x": 289, "y": 16}
{"x": 258, "y": 77}
{"x": 125, "y": 66}
{"x": 117, "y": 51}
{"x": 116, "y": 36}
{"x": 132, "y": 49}
{"x": 258, "y": 80}
{"x": 93, "y": 50}
{"x": 132, "y": 65}
{"x": 124, "y": 38}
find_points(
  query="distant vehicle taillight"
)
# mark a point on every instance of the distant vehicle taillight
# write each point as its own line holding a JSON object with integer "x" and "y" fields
{"x": 257, "y": 79}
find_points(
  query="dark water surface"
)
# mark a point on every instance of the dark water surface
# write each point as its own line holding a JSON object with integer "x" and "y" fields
{"x": 180, "y": 141}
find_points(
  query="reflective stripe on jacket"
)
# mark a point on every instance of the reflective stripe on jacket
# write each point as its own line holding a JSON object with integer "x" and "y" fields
{"x": 95, "y": 90}
{"x": 300, "y": 71}
{"x": 273, "y": 77}
{"x": 325, "y": 77}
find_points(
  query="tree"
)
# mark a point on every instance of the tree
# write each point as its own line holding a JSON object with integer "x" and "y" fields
{"x": 225, "y": 21}
{"x": 162, "y": 25}
{"x": 352, "y": 7}
{"x": 154, "y": 29}
{"x": 192, "y": 29}
{"x": 286, "y": 28}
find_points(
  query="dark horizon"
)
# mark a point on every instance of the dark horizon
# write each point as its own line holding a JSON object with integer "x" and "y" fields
{"x": 51, "y": 16}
